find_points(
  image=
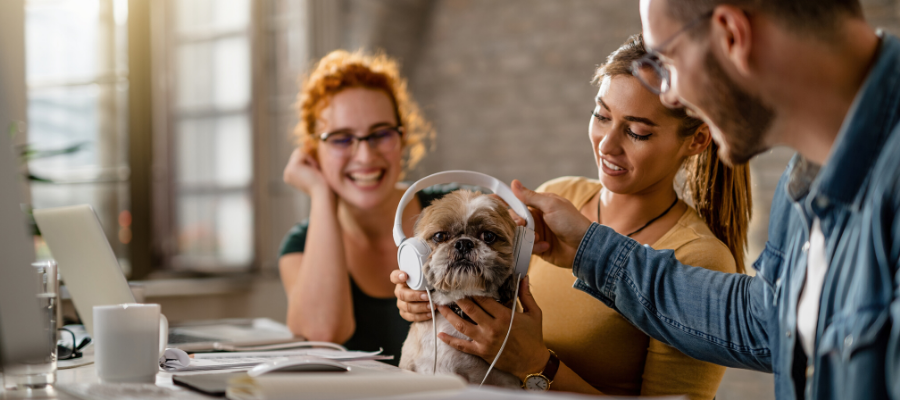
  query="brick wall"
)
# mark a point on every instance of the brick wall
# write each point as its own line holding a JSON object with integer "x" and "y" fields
{"x": 506, "y": 83}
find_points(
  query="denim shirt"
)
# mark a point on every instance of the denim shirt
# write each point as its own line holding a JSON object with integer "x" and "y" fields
{"x": 751, "y": 322}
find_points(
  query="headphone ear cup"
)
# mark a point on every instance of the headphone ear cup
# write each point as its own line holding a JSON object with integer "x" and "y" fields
{"x": 412, "y": 255}
{"x": 524, "y": 245}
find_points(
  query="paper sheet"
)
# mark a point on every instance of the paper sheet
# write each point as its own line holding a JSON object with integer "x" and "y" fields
{"x": 176, "y": 360}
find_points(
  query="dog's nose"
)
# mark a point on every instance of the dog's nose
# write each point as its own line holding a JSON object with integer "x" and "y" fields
{"x": 464, "y": 245}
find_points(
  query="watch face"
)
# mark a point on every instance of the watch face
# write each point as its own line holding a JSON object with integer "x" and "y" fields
{"x": 537, "y": 382}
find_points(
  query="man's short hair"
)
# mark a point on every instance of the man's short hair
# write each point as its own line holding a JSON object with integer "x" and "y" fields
{"x": 806, "y": 16}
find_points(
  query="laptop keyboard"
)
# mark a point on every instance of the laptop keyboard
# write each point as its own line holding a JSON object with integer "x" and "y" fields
{"x": 182, "y": 338}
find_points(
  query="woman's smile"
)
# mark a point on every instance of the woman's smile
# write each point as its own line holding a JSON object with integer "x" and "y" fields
{"x": 366, "y": 178}
{"x": 611, "y": 168}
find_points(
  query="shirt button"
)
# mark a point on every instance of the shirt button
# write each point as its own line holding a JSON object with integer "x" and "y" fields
{"x": 822, "y": 201}
{"x": 848, "y": 341}
{"x": 778, "y": 282}
{"x": 788, "y": 333}
{"x": 809, "y": 371}
{"x": 806, "y": 246}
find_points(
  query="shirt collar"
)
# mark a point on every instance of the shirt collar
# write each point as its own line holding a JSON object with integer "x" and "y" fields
{"x": 802, "y": 174}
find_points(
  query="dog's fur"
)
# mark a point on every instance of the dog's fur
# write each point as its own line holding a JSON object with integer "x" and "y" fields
{"x": 486, "y": 270}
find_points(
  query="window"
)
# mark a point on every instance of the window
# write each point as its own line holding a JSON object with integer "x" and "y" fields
{"x": 208, "y": 222}
{"x": 222, "y": 77}
{"x": 77, "y": 79}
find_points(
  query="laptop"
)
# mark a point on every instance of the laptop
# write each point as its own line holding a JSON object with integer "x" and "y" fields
{"x": 93, "y": 277}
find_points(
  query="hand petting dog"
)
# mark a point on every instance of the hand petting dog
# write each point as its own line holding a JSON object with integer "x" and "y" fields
{"x": 525, "y": 352}
{"x": 558, "y": 225}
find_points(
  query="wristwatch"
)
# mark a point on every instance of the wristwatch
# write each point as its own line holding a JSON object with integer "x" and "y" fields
{"x": 541, "y": 381}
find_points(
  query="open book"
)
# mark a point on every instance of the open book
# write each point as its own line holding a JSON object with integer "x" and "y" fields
{"x": 359, "y": 382}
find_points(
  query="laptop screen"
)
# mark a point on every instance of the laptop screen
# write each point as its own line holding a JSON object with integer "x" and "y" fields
{"x": 86, "y": 261}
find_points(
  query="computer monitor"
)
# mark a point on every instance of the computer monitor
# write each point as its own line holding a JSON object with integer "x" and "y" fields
{"x": 21, "y": 325}
{"x": 21, "y": 322}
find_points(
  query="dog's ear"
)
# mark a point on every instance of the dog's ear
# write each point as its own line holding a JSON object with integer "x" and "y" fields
{"x": 507, "y": 290}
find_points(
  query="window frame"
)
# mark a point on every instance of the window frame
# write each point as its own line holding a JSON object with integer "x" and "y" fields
{"x": 166, "y": 190}
{"x": 113, "y": 168}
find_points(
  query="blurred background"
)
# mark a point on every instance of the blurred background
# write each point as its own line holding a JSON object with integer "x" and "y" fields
{"x": 173, "y": 119}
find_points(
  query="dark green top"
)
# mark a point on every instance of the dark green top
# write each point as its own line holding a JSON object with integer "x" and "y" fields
{"x": 378, "y": 322}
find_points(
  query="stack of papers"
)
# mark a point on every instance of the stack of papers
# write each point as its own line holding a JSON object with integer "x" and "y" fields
{"x": 176, "y": 360}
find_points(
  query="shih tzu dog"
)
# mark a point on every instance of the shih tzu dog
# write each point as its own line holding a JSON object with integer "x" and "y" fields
{"x": 471, "y": 237}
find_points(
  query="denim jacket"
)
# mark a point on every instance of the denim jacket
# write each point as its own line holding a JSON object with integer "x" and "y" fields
{"x": 751, "y": 322}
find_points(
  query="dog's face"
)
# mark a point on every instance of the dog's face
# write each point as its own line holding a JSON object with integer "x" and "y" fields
{"x": 472, "y": 240}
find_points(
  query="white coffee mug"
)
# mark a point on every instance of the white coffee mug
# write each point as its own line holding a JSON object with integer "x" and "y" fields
{"x": 129, "y": 339}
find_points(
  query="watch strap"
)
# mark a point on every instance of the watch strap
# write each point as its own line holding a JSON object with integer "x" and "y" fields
{"x": 552, "y": 366}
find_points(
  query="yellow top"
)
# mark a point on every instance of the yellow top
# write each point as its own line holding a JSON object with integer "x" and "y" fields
{"x": 600, "y": 345}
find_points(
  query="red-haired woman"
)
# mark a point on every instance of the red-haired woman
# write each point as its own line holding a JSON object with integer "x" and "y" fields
{"x": 358, "y": 131}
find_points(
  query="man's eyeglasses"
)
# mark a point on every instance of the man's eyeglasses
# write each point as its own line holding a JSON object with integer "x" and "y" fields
{"x": 343, "y": 143}
{"x": 651, "y": 71}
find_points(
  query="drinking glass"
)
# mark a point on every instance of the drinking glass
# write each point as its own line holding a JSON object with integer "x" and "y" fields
{"x": 27, "y": 376}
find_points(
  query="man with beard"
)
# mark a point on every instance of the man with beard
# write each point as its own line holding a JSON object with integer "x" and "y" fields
{"x": 822, "y": 313}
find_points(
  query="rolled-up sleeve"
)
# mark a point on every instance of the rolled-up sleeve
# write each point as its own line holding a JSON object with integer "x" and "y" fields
{"x": 711, "y": 316}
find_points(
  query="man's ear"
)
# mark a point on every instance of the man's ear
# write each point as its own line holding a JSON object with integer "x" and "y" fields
{"x": 698, "y": 142}
{"x": 731, "y": 33}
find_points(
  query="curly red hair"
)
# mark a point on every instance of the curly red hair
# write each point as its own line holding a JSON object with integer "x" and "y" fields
{"x": 341, "y": 70}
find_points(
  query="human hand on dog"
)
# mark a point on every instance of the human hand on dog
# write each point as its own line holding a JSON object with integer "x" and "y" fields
{"x": 516, "y": 217}
{"x": 525, "y": 352}
{"x": 413, "y": 304}
{"x": 558, "y": 225}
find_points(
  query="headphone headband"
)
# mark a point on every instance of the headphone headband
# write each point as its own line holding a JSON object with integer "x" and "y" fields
{"x": 466, "y": 178}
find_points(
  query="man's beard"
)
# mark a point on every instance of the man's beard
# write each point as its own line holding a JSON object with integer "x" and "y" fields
{"x": 742, "y": 118}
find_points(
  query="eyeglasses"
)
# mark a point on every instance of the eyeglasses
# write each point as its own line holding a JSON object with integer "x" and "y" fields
{"x": 651, "y": 71}
{"x": 343, "y": 143}
{"x": 66, "y": 350}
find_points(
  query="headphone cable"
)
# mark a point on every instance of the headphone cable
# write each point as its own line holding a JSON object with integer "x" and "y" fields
{"x": 433, "y": 330}
{"x": 502, "y": 346}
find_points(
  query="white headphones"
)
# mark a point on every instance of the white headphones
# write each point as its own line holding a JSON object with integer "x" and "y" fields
{"x": 413, "y": 253}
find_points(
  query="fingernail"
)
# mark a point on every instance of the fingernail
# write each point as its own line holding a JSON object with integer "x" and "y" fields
{"x": 423, "y": 296}
{"x": 402, "y": 276}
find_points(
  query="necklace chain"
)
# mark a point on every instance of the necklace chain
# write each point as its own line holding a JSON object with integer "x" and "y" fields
{"x": 648, "y": 222}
